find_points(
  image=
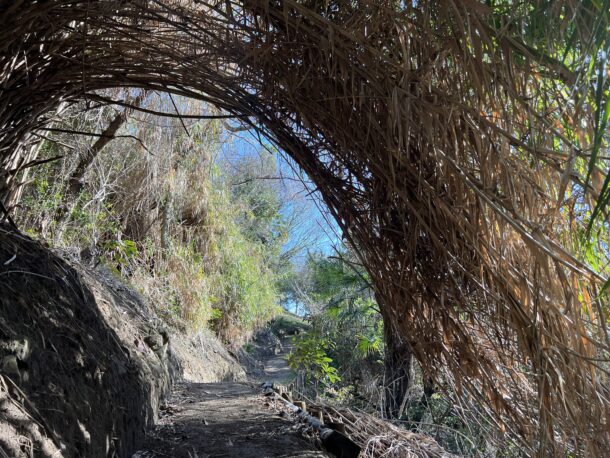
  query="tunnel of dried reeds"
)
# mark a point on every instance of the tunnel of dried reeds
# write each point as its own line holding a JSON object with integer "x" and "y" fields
{"x": 445, "y": 144}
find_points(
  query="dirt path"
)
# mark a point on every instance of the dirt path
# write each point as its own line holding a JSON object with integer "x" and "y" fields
{"x": 276, "y": 368}
{"x": 224, "y": 420}
{"x": 228, "y": 419}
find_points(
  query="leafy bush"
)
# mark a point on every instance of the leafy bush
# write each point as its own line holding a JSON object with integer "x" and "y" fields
{"x": 344, "y": 315}
{"x": 310, "y": 359}
{"x": 287, "y": 324}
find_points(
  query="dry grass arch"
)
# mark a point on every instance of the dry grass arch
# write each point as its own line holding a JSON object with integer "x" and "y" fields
{"x": 433, "y": 134}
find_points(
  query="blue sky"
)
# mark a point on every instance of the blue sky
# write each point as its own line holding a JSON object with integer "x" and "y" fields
{"x": 315, "y": 227}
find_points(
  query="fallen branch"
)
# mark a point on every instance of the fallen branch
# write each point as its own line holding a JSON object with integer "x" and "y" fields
{"x": 334, "y": 441}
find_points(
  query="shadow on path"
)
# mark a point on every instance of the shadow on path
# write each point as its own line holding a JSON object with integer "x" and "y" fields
{"x": 226, "y": 419}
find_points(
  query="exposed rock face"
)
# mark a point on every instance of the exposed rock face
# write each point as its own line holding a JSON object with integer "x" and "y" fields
{"x": 203, "y": 359}
{"x": 77, "y": 378}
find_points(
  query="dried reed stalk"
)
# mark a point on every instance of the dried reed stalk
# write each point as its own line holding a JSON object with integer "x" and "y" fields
{"x": 380, "y": 438}
{"x": 437, "y": 139}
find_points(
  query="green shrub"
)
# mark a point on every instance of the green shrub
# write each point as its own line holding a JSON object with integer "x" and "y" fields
{"x": 311, "y": 359}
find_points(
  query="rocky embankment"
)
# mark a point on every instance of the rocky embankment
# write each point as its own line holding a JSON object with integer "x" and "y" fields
{"x": 84, "y": 363}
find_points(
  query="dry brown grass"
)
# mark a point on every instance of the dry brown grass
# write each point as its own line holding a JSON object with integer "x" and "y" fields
{"x": 437, "y": 139}
{"x": 377, "y": 438}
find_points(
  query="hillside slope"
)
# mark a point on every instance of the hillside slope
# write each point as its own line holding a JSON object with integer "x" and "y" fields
{"x": 84, "y": 363}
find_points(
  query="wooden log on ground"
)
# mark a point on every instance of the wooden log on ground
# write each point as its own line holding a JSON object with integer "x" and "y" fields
{"x": 339, "y": 444}
{"x": 337, "y": 426}
{"x": 301, "y": 405}
{"x": 335, "y": 442}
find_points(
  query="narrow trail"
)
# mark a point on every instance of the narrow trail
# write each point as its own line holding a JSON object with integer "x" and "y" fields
{"x": 276, "y": 368}
{"x": 228, "y": 419}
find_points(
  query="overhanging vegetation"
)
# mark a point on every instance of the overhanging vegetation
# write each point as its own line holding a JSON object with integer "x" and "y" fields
{"x": 457, "y": 144}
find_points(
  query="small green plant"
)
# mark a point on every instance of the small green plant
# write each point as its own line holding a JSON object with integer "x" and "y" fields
{"x": 289, "y": 325}
{"x": 123, "y": 252}
{"x": 311, "y": 359}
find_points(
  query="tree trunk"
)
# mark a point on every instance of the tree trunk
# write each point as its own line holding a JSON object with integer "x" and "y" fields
{"x": 15, "y": 191}
{"x": 397, "y": 373}
{"x": 14, "y": 177}
{"x": 75, "y": 180}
